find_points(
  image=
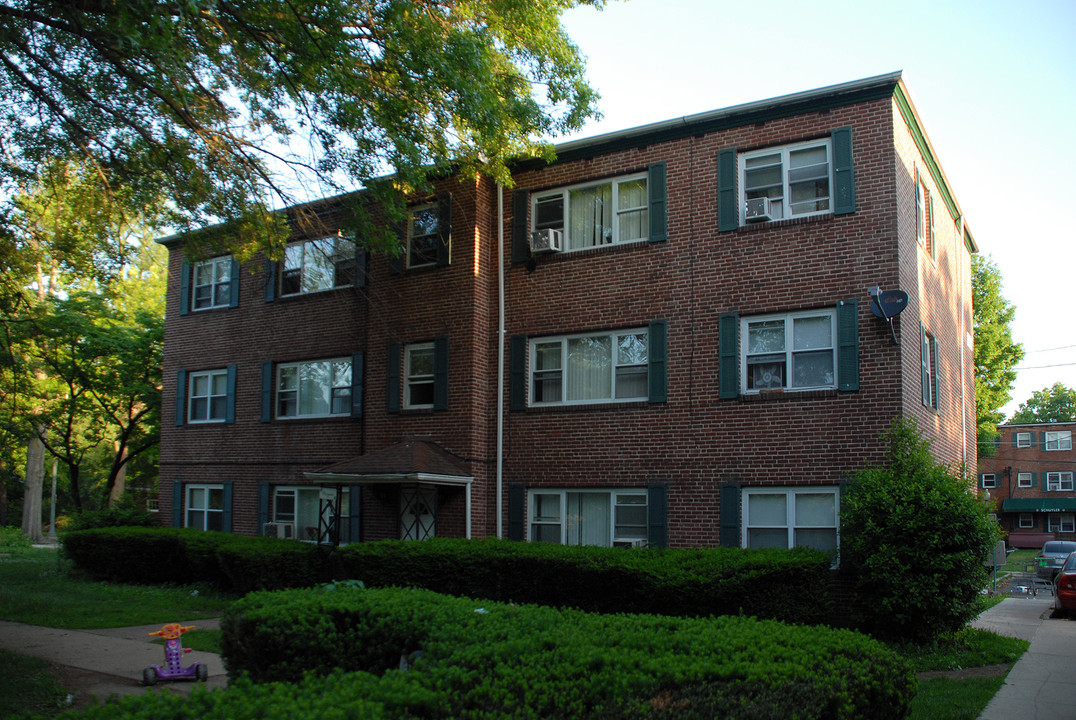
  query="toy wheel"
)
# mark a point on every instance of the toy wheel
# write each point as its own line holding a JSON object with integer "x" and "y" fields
{"x": 149, "y": 676}
{"x": 202, "y": 673}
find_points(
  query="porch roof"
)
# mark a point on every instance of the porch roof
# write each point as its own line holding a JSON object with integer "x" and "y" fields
{"x": 1064, "y": 504}
{"x": 413, "y": 460}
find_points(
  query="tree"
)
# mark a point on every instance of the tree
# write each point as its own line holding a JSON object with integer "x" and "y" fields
{"x": 229, "y": 107}
{"x": 1052, "y": 404}
{"x": 996, "y": 355}
{"x": 915, "y": 536}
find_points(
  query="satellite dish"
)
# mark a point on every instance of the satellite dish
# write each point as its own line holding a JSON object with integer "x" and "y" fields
{"x": 889, "y": 303}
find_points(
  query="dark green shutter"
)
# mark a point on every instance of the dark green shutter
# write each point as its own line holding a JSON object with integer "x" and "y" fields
{"x": 177, "y": 504}
{"x": 444, "y": 229}
{"x": 229, "y": 413}
{"x": 357, "y": 368}
{"x": 730, "y": 515}
{"x": 1015, "y": 439}
{"x": 263, "y": 506}
{"x": 517, "y": 496}
{"x": 181, "y": 397}
{"x": 270, "y": 281}
{"x": 360, "y": 265}
{"x": 521, "y": 247}
{"x": 656, "y": 187}
{"x": 392, "y": 377}
{"x": 657, "y": 515}
{"x": 440, "y": 373}
{"x": 185, "y": 288}
{"x": 397, "y": 263}
{"x": 517, "y": 373}
{"x": 728, "y": 211}
{"x": 924, "y": 361}
{"x": 1045, "y": 478}
{"x": 932, "y": 238}
{"x": 354, "y": 513}
{"x": 233, "y": 284}
{"x": 844, "y": 186}
{"x": 848, "y": 345}
{"x": 267, "y": 391}
{"x": 729, "y": 356}
{"x": 657, "y": 373}
{"x": 935, "y": 358}
{"x": 226, "y": 515}
{"x": 1032, "y": 439}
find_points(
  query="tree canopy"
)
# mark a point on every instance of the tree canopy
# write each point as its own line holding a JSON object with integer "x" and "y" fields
{"x": 230, "y": 107}
{"x": 1052, "y": 404}
{"x": 996, "y": 354}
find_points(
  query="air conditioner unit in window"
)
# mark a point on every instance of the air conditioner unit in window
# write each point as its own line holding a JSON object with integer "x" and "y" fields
{"x": 636, "y": 543}
{"x": 280, "y": 530}
{"x": 547, "y": 240}
{"x": 759, "y": 210}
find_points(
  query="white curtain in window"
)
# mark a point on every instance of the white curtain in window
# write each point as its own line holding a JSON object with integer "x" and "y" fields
{"x": 591, "y": 222}
{"x": 590, "y": 362}
{"x": 632, "y": 210}
{"x": 588, "y": 519}
{"x": 767, "y": 521}
{"x": 314, "y": 389}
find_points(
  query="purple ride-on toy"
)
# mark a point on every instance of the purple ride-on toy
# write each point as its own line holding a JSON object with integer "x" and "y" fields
{"x": 173, "y": 653}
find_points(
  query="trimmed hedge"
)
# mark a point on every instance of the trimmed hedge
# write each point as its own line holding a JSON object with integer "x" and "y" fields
{"x": 483, "y": 660}
{"x": 778, "y": 584}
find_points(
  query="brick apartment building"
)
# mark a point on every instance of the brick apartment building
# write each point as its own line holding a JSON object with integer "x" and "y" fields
{"x": 1030, "y": 480}
{"x": 666, "y": 337}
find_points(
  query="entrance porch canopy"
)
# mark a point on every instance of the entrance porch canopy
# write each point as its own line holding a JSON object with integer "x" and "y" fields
{"x": 1046, "y": 505}
{"x": 414, "y": 461}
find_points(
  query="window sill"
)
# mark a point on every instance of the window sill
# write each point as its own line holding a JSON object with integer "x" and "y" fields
{"x": 591, "y": 407}
{"x": 565, "y": 255}
{"x": 787, "y": 395}
{"x": 755, "y": 227}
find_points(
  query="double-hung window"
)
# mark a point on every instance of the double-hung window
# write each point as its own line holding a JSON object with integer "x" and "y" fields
{"x": 1059, "y": 482}
{"x": 590, "y": 368}
{"x": 1058, "y": 440}
{"x": 794, "y": 351}
{"x": 930, "y": 359}
{"x": 1026, "y": 521}
{"x": 1023, "y": 439}
{"x": 1061, "y": 522}
{"x": 588, "y": 517}
{"x": 205, "y": 507}
{"x": 208, "y": 396}
{"x": 419, "y": 376}
{"x": 314, "y": 389}
{"x": 423, "y": 236}
{"x": 597, "y": 214}
{"x": 779, "y": 517}
{"x": 212, "y": 284}
{"x": 316, "y": 265}
{"x": 1024, "y": 480}
{"x": 307, "y": 511}
{"x": 990, "y": 480}
{"x": 786, "y": 182}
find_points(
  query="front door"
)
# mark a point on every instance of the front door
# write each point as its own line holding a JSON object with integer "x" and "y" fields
{"x": 417, "y": 508}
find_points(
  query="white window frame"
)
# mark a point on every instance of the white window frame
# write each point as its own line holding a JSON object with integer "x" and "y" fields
{"x": 559, "y": 528}
{"x": 1058, "y": 440}
{"x": 211, "y": 398}
{"x": 416, "y": 380}
{"x": 610, "y": 235}
{"x": 990, "y": 480}
{"x": 337, "y": 391}
{"x": 1024, "y": 480}
{"x": 217, "y": 287}
{"x": 790, "y": 525}
{"x": 301, "y": 531}
{"x": 1061, "y": 522}
{"x": 422, "y": 242}
{"x": 1023, "y": 439}
{"x": 207, "y": 497}
{"x": 747, "y": 384}
{"x": 1026, "y": 521}
{"x": 622, "y": 367}
{"x": 315, "y": 268}
{"x": 1059, "y": 482}
{"x": 785, "y": 152}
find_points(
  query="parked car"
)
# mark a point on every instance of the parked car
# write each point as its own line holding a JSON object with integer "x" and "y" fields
{"x": 1065, "y": 586}
{"x": 1049, "y": 560}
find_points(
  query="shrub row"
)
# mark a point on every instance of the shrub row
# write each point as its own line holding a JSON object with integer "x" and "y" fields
{"x": 477, "y": 659}
{"x": 778, "y": 584}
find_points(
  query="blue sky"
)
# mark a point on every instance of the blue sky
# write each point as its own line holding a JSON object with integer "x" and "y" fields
{"x": 994, "y": 83}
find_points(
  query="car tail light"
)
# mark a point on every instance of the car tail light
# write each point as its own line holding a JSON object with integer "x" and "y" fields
{"x": 1067, "y": 584}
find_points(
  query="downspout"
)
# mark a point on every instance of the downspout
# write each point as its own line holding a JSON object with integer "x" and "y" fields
{"x": 500, "y": 360}
{"x": 963, "y": 350}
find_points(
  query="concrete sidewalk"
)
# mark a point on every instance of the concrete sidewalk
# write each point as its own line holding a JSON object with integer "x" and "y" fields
{"x": 1042, "y": 684}
{"x": 99, "y": 664}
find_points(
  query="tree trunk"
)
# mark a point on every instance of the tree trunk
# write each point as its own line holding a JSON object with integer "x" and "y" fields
{"x": 76, "y": 490}
{"x": 35, "y": 480}
{"x": 3, "y": 494}
{"x": 115, "y": 494}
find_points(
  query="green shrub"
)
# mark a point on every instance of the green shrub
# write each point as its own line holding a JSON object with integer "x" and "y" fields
{"x": 914, "y": 537}
{"x": 479, "y": 659}
{"x": 13, "y": 540}
{"x": 117, "y": 517}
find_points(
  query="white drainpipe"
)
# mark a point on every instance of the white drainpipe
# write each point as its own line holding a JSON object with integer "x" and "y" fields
{"x": 500, "y": 360}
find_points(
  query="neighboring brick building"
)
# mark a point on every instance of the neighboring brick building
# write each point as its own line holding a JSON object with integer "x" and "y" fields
{"x": 1030, "y": 479}
{"x": 682, "y": 371}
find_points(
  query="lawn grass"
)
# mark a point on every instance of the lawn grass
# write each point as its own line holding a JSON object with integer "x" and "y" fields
{"x": 28, "y": 688}
{"x": 947, "y": 699}
{"x": 965, "y": 648}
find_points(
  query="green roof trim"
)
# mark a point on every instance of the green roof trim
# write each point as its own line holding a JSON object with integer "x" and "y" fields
{"x": 1061, "y": 504}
